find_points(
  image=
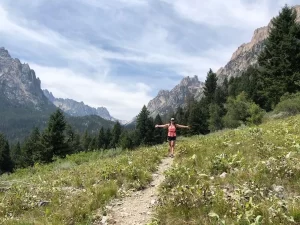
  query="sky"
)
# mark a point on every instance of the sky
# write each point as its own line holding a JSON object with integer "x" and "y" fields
{"x": 120, "y": 53}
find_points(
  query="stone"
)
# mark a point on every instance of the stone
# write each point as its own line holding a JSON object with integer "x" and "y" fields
{"x": 223, "y": 175}
{"x": 43, "y": 203}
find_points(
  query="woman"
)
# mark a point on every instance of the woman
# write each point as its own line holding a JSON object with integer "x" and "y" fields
{"x": 172, "y": 134}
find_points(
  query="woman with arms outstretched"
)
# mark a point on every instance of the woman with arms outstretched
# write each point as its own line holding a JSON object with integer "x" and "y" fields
{"x": 172, "y": 134}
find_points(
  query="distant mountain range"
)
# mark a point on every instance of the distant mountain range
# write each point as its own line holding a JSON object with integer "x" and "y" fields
{"x": 242, "y": 58}
{"x": 24, "y": 105}
{"x": 75, "y": 108}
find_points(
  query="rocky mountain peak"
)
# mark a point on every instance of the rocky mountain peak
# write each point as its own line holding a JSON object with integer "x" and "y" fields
{"x": 190, "y": 81}
{"x": 170, "y": 100}
{"x": 78, "y": 109}
{"x": 49, "y": 95}
{"x": 19, "y": 84}
{"x": 4, "y": 53}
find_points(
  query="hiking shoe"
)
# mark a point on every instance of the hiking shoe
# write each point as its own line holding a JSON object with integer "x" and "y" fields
{"x": 172, "y": 156}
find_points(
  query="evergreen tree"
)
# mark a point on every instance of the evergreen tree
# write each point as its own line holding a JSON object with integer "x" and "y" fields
{"x": 116, "y": 133}
{"x": 142, "y": 126}
{"x": 150, "y": 128}
{"x": 108, "y": 137}
{"x": 93, "y": 144}
{"x": 210, "y": 86}
{"x": 159, "y": 134}
{"x": 6, "y": 164}
{"x": 279, "y": 61}
{"x": 17, "y": 156}
{"x": 73, "y": 140}
{"x": 86, "y": 141}
{"x": 215, "y": 117}
{"x": 125, "y": 140}
{"x": 101, "y": 139}
{"x": 34, "y": 150}
{"x": 198, "y": 119}
{"x": 225, "y": 87}
{"x": 54, "y": 137}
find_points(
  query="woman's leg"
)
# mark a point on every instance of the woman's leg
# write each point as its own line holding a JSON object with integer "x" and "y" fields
{"x": 172, "y": 147}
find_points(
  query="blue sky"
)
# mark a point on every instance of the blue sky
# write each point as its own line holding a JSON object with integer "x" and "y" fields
{"x": 120, "y": 53}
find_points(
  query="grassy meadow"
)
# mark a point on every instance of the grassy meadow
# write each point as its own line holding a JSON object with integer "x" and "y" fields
{"x": 75, "y": 189}
{"x": 244, "y": 176}
{"x": 249, "y": 175}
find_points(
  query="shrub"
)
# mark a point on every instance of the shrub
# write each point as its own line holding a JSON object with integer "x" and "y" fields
{"x": 240, "y": 111}
{"x": 289, "y": 103}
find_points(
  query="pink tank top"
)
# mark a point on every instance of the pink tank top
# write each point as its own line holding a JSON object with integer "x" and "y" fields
{"x": 172, "y": 131}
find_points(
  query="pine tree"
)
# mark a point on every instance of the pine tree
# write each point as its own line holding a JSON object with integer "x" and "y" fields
{"x": 279, "y": 61}
{"x": 198, "y": 120}
{"x": 34, "y": 150}
{"x": 108, "y": 137}
{"x": 159, "y": 134}
{"x": 215, "y": 117}
{"x": 17, "y": 156}
{"x": 86, "y": 141}
{"x": 125, "y": 140}
{"x": 101, "y": 139}
{"x": 210, "y": 86}
{"x": 73, "y": 140}
{"x": 149, "y": 135}
{"x": 6, "y": 164}
{"x": 142, "y": 125}
{"x": 116, "y": 133}
{"x": 54, "y": 136}
{"x": 93, "y": 144}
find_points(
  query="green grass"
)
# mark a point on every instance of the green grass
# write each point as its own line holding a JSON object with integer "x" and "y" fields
{"x": 74, "y": 190}
{"x": 261, "y": 185}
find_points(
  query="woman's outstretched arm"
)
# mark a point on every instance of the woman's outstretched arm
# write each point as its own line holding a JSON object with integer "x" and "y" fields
{"x": 162, "y": 126}
{"x": 182, "y": 126}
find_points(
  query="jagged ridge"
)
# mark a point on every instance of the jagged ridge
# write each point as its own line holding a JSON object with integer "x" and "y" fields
{"x": 75, "y": 108}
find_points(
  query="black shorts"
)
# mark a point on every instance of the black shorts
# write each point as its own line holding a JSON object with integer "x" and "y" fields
{"x": 171, "y": 138}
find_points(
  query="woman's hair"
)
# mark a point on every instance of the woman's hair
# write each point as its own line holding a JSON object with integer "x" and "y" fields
{"x": 174, "y": 123}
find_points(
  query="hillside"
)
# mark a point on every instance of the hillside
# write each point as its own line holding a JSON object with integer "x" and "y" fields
{"x": 238, "y": 176}
{"x": 74, "y": 190}
{"x": 243, "y": 176}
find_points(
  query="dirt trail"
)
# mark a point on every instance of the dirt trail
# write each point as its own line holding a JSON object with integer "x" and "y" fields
{"x": 136, "y": 209}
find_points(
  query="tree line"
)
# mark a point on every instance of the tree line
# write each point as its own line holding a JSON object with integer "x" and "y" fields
{"x": 241, "y": 100}
{"x": 59, "y": 139}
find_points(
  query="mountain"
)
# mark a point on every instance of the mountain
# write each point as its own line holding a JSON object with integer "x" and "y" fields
{"x": 23, "y": 103}
{"x": 19, "y": 85}
{"x": 247, "y": 53}
{"x": 75, "y": 108}
{"x": 241, "y": 59}
{"x": 167, "y": 101}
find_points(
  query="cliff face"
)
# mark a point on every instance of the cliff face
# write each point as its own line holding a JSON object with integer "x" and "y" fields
{"x": 19, "y": 84}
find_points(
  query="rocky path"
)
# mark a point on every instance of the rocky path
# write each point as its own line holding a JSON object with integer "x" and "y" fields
{"x": 137, "y": 208}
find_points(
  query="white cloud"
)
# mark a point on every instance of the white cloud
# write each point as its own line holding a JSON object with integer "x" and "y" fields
{"x": 122, "y": 101}
{"x": 152, "y": 44}
{"x": 234, "y": 13}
